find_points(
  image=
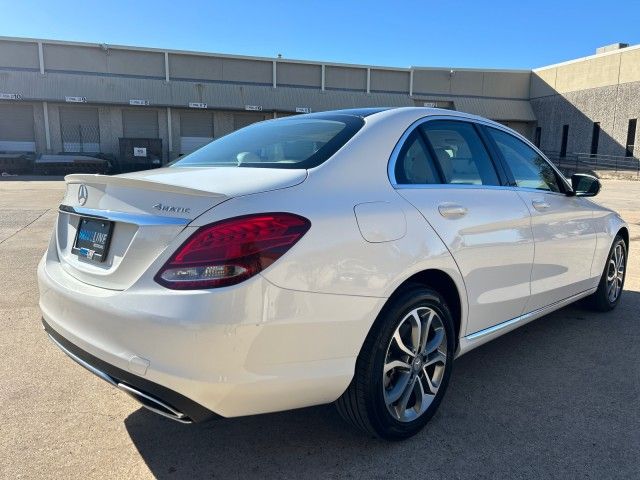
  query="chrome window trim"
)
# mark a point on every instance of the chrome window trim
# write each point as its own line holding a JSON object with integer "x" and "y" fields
{"x": 523, "y": 139}
{"x": 449, "y": 186}
{"x": 123, "y": 217}
{"x": 391, "y": 165}
{"x": 538, "y": 190}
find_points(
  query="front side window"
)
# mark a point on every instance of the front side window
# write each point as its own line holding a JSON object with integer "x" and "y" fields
{"x": 287, "y": 143}
{"x": 459, "y": 153}
{"x": 529, "y": 169}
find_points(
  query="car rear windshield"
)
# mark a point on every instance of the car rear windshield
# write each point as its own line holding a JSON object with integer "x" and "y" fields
{"x": 296, "y": 142}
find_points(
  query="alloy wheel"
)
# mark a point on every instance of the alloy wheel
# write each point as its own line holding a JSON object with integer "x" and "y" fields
{"x": 615, "y": 272}
{"x": 415, "y": 363}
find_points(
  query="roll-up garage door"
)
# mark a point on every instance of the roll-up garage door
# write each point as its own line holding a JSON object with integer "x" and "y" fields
{"x": 141, "y": 123}
{"x": 80, "y": 129}
{"x": 196, "y": 130}
{"x": 16, "y": 128}
{"x": 241, "y": 120}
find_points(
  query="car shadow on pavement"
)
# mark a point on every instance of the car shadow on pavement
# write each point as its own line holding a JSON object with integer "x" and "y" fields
{"x": 551, "y": 399}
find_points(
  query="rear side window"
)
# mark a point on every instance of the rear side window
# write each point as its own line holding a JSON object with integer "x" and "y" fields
{"x": 529, "y": 169}
{"x": 297, "y": 142}
{"x": 414, "y": 164}
{"x": 459, "y": 153}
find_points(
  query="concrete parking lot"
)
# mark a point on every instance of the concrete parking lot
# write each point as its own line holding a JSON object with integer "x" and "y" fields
{"x": 558, "y": 398}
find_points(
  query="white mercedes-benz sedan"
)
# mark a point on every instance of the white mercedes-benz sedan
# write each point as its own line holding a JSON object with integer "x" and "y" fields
{"x": 344, "y": 256}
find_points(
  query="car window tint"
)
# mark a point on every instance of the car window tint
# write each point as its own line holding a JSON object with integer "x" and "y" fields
{"x": 460, "y": 153}
{"x": 529, "y": 169}
{"x": 297, "y": 142}
{"x": 414, "y": 164}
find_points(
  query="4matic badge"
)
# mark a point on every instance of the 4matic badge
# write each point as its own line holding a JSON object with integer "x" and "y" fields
{"x": 171, "y": 208}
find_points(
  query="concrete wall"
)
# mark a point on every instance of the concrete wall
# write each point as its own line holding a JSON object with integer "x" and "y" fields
{"x": 464, "y": 82}
{"x": 608, "y": 69}
{"x": 602, "y": 88}
{"x": 612, "y": 106}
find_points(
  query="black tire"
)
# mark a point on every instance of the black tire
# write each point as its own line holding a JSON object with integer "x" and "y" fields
{"x": 363, "y": 403}
{"x": 600, "y": 300}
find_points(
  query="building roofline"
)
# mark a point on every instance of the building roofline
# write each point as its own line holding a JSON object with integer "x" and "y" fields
{"x": 255, "y": 58}
{"x": 469, "y": 69}
{"x": 195, "y": 53}
{"x": 588, "y": 57}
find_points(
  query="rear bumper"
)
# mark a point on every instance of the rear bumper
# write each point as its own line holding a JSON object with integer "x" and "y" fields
{"x": 247, "y": 349}
{"x": 155, "y": 397}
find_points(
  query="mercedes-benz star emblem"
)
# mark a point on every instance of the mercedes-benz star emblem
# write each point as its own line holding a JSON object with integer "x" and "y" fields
{"x": 83, "y": 194}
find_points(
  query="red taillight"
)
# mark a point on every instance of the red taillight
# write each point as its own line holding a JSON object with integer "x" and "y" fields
{"x": 230, "y": 251}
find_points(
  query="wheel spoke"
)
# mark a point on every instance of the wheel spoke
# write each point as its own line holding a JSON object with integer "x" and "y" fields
{"x": 396, "y": 364}
{"x": 425, "y": 331}
{"x": 392, "y": 395}
{"x": 401, "y": 345}
{"x": 404, "y": 399}
{"x": 436, "y": 341}
{"x": 436, "y": 357}
{"x": 611, "y": 272}
{"x": 416, "y": 330}
{"x": 421, "y": 398}
{"x": 431, "y": 388}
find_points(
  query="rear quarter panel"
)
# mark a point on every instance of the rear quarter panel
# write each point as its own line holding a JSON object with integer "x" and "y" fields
{"x": 334, "y": 257}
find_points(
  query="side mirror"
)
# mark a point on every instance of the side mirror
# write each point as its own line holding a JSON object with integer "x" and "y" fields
{"x": 585, "y": 185}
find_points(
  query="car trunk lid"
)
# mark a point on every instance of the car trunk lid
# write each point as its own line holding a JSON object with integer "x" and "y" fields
{"x": 148, "y": 210}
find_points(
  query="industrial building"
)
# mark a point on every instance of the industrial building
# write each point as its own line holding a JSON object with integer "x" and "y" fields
{"x": 119, "y": 102}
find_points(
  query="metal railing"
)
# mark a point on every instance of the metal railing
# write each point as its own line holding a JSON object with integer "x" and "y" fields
{"x": 587, "y": 163}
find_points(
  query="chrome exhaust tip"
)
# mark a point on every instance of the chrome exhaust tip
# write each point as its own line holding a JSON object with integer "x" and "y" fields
{"x": 146, "y": 400}
{"x": 153, "y": 404}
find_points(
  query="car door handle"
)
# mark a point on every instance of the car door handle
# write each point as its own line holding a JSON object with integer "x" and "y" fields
{"x": 540, "y": 205}
{"x": 452, "y": 210}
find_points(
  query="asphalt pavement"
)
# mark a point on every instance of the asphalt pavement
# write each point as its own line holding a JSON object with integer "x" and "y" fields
{"x": 557, "y": 398}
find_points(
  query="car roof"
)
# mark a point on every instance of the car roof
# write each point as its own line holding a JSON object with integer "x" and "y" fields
{"x": 355, "y": 112}
{"x": 418, "y": 112}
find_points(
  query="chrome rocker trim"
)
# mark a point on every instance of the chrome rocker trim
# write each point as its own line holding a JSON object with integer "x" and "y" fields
{"x": 527, "y": 317}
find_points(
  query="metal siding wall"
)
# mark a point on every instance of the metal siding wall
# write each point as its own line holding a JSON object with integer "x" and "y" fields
{"x": 74, "y": 58}
{"x": 192, "y": 66}
{"x": 254, "y": 71}
{"x": 129, "y": 62}
{"x": 389, "y": 81}
{"x": 432, "y": 81}
{"x": 507, "y": 84}
{"x": 140, "y": 123}
{"x": 19, "y": 55}
{"x": 345, "y": 78}
{"x": 299, "y": 74}
{"x": 53, "y": 87}
{"x": 464, "y": 82}
{"x": 17, "y": 131}
{"x": 79, "y": 129}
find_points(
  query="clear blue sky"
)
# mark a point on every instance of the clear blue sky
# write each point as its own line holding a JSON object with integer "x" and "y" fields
{"x": 493, "y": 34}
